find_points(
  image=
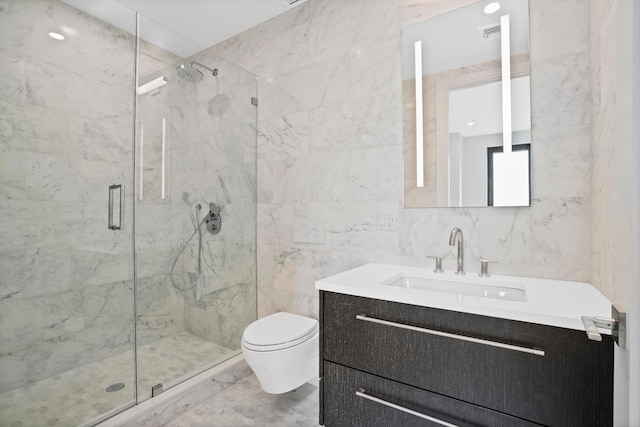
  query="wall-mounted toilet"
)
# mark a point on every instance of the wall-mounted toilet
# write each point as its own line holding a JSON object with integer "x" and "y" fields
{"x": 282, "y": 350}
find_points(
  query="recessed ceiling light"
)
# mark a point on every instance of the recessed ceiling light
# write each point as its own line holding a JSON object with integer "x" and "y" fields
{"x": 471, "y": 123}
{"x": 492, "y": 8}
{"x": 56, "y": 36}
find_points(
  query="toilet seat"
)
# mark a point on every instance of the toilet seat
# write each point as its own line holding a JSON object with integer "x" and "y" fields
{"x": 279, "y": 331}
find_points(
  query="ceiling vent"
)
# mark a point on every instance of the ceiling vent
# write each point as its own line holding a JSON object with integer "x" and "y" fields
{"x": 489, "y": 32}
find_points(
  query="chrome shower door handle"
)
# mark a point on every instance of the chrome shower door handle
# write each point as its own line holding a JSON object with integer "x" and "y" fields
{"x": 111, "y": 225}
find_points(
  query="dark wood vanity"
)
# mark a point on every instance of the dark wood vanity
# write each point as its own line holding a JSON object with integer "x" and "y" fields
{"x": 386, "y": 363}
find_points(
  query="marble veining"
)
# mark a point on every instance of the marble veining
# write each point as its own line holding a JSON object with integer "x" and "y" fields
{"x": 76, "y": 396}
{"x": 330, "y": 148}
{"x": 245, "y": 404}
{"x": 410, "y": 11}
{"x": 605, "y": 155}
{"x": 315, "y": 148}
{"x": 66, "y": 113}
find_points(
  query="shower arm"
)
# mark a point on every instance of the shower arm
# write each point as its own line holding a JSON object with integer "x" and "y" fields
{"x": 213, "y": 71}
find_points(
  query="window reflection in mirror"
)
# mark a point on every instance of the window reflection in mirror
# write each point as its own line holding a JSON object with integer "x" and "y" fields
{"x": 462, "y": 104}
{"x": 508, "y": 176}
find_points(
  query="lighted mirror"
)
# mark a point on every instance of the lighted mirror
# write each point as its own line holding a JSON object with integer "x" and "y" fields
{"x": 461, "y": 147}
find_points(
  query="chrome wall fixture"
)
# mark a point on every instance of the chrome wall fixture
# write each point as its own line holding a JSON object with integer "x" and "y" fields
{"x": 617, "y": 324}
{"x": 213, "y": 223}
{"x": 213, "y": 219}
{"x": 193, "y": 75}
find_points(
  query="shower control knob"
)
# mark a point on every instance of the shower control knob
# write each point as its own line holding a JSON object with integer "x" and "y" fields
{"x": 214, "y": 223}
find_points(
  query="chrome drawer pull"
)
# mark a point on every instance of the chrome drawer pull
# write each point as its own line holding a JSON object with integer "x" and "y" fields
{"x": 363, "y": 394}
{"x": 535, "y": 351}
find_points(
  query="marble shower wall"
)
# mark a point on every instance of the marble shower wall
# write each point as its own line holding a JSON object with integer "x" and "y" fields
{"x": 66, "y": 296}
{"x": 329, "y": 129}
{"x": 604, "y": 187}
{"x": 209, "y": 156}
{"x": 215, "y": 162}
{"x": 162, "y": 224}
{"x": 65, "y": 136}
{"x": 330, "y": 147}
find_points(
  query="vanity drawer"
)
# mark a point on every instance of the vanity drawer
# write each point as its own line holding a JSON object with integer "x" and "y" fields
{"x": 365, "y": 400}
{"x": 569, "y": 381}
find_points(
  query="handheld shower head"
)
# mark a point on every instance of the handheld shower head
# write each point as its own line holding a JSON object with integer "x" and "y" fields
{"x": 193, "y": 75}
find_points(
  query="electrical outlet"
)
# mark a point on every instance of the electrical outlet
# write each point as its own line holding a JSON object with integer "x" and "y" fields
{"x": 386, "y": 220}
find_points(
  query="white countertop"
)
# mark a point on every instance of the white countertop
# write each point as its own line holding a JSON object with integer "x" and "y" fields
{"x": 548, "y": 302}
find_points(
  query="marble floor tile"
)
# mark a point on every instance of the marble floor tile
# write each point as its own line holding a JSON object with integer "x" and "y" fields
{"x": 245, "y": 404}
{"x": 79, "y": 395}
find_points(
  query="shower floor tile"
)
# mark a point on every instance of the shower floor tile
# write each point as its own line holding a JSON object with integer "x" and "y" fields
{"x": 78, "y": 396}
{"x": 245, "y": 404}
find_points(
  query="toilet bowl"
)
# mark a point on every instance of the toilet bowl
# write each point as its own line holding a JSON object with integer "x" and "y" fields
{"x": 282, "y": 350}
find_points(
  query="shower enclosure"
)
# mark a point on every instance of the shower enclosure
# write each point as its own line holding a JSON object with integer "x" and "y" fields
{"x": 100, "y": 180}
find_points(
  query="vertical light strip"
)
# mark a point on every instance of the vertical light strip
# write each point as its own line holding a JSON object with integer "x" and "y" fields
{"x": 134, "y": 259}
{"x": 506, "y": 83}
{"x": 164, "y": 132}
{"x": 419, "y": 128}
{"x": 141, "y": 159}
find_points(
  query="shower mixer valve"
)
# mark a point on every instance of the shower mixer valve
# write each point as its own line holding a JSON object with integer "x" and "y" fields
{"x": 213, "y": 219}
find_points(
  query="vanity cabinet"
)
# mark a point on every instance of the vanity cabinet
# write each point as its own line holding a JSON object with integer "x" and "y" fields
{"x": 384, "y": 363}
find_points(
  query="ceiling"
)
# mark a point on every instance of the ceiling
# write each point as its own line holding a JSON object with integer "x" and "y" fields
{"x": 194, "y": 24}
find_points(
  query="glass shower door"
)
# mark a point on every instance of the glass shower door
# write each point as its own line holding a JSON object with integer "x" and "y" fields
{"x": 196, "y": 161}
{"x": 66, "y": 288}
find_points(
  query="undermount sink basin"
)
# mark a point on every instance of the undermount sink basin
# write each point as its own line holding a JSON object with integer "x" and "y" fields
{"x": 461, "y": 288}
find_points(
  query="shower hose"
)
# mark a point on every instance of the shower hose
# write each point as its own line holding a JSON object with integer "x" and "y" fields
{"x": 175, "y": 261}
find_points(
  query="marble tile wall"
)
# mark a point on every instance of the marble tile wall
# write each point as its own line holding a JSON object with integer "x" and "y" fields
{"x": 330, "y": 147}
{"x": 603, "y": 184}
{"x": 210, "y": 138}
{"x": 65, "y": 135}
{"x": 162, "y": 224}
{"x": 214, "y": 162}
{"x": 66, "y": 296}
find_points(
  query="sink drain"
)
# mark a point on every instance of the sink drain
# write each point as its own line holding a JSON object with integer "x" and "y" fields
{"x": 114, "y": 387}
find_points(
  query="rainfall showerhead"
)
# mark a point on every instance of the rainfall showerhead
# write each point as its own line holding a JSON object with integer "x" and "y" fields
{"x": 190, "y": 74}
{"x": 193, "y": 75}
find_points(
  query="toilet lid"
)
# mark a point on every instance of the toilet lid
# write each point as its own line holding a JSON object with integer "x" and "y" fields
{"x": 278, "y": 329}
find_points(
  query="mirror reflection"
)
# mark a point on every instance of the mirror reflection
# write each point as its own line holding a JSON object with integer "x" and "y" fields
{"x": 456, "y": 150}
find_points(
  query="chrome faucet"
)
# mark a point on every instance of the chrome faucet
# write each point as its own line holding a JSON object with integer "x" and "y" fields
{"x": 456, "y": 234}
